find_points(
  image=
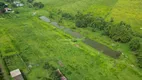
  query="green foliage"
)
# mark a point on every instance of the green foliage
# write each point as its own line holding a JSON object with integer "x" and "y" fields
{"x": 99, "y": 23}
{"x": 139, "y": 57}
{"x": 50, "y": 45}
{"x": 1, "y": 75}
{"x": 139, "y": 61}
{"x": 134, "y": 44}
{"x": 38, "y": 5}
{"x": 126, "y": 11}
{"x": 30, "y": 1}
{"x": 68, "y": 16}
{"x": 121, "y": 32}
{"x": 10, "y": 1}
{"x": 2, "y": 6}
{"x": 83, "y": 21}
{"x": 17, "y": 12}
{"x": 13, "y": 5}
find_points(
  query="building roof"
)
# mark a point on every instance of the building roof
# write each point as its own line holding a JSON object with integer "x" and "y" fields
{"x": 15, "y": 73}
{"x": 63, "y": 78}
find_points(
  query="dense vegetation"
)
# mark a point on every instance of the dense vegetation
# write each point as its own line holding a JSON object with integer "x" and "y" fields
{"x": 2, "y": 6}
{"x": 1, "y": 75}
{"x": 120, "y": 32}
{"x": 38, "y": 5}
{"x": 30, "y": 1}
{"x": 134, "y": 44}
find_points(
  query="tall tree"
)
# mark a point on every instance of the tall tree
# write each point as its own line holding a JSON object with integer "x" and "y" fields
{"x": 30, "y": 1}
{"x": 10, "y": 1}
{"x": 83, "y": 21}
{"x": 2, "y": 6}
{"x": 121, "y": 32}
{"x": 134, "y": 44}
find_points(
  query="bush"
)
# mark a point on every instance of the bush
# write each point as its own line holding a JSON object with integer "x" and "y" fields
{"x": 2, "y": 7}
{"x": 38, "y": 5}
{"x": 1, "y": 74}
{"x": 68, "y": 16}
{"x": 10, "y": 1}
{"x": 134, "y": 44}
{"x": 121, "y": 32}
{"x": 83, "y": 21}
{"x": 13, "y": 5}
{"x": 30, "y": 1}
{"x": 139, "y": 59}
{"x": 17, "y": 12}
{"x": 99, "y": 23}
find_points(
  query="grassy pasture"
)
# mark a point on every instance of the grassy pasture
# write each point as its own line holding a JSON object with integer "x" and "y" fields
{"x": 37, "y": 43}
{"x": 129, "y": 11}
{"x": 29, "y": 43}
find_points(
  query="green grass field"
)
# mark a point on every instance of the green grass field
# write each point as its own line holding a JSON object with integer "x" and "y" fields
{"x": 128, "y": 10}
{"x": 34, "y": 43}
{"x": 28, "y": 43}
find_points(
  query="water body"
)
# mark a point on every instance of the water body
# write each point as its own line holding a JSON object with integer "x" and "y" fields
{"x": 100, "y": 47}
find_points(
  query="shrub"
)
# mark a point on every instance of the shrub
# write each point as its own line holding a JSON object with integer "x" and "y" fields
{"x": 38, "y": 5}
{"x": 83, "y": 21}
{"x": 68, "y": 16}
{"x": 121, "y": 32}
{"x": 2, "y": 5}
{"x": 139, "y": 59}
{"x": 30, "y": 1}
{"x": 134, "y": 44}
{"x": 10, "y": 1}
{"x": 17, "y": 12}
{"x": 98, "y": 23}
{"x": 13, "y": 5}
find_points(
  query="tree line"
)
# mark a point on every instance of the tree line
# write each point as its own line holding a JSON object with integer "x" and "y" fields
{"x": 120, "y": 32}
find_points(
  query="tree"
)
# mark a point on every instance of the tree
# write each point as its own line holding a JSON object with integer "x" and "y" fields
{"x": 121, "y": 32}
{"x": 83, "y": 21}
{"x": 67, "y": 16}
{"x": 30, "y": 1}
{"x": 134, "y": 44}
{"x": 139, "y": 61}
{"x": 99, "y": 23}
{"x": 10, "y": 1}
{"x": 38, "y": 5}
{"x": 2, "y": 6}
{"x": 139, "y": 58}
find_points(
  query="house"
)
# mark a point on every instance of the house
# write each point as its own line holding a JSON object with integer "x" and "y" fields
{"x": 7, "y": 10}
{"x": 18, "y": 3}
{"x": 62, "y": 77}
{"x": 16, "y": 75}
{"x": 4, "y": 8}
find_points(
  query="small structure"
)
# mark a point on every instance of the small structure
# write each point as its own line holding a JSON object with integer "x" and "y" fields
{"x": 16, "y": 74}
{"x": 62, "y": 77}
{"x": 4, "y": 8}
{"x": 7, "y": 10}
{"x": 18, "y": 3}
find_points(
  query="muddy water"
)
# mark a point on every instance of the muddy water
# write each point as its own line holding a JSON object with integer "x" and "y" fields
{"x": 100, "y": 47}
